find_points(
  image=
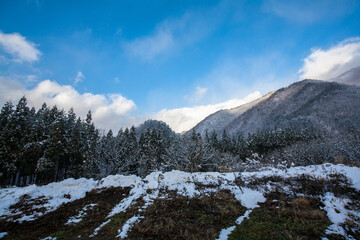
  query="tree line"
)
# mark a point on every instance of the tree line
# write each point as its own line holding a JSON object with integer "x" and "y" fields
{"x": 50, "y": 145}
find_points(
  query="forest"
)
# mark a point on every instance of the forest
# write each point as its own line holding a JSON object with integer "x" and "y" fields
{"x": 49, "y": 144}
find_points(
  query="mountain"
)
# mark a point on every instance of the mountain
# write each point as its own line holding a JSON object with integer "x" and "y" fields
{"x": 327, "y": 106}
{"x": 219, "y": 120}
{"x": 351, "y": 76}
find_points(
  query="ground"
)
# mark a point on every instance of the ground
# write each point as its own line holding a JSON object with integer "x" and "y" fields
{"x": 313, "y": 202}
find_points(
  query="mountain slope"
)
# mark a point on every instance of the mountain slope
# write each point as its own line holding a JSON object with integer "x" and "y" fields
{"x": 351, "y": 76}
{"x": 309, "y": 202}
{"x": 328, "y": 106}
{"x": 220, "y": 119}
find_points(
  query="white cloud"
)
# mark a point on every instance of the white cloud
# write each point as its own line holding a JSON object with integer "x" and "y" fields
{"x": 330, "y": 63}
{"x": 109, "y": 112}
{"x": 309, "y": 11}
{"x": 183, "y": 119}
{"x": 199, "y": 94}
{"x": 147, "y": 48}
{"x": 19, "y": 48}
{"x": 79, "y": 77}
{"x": 175, "y": 33}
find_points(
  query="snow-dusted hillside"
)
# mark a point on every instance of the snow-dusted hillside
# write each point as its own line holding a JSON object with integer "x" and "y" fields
{"x": 118, "y": 206}
{"x": 327, "y": 106}
{"x": 220, "y": 119}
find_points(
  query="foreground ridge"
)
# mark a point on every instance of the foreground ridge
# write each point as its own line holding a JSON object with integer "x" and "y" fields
{"x": 313, "y": 201}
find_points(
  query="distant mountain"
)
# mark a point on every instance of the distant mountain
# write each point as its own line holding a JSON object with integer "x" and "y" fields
{"x": 219, "y": 120}
{"x": 351, "y": 76}
{"x": 327, "y": 106}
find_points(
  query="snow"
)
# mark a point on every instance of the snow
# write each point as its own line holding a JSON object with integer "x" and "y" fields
{"x": 99, "y": 228}
{"x": 3, "y": 234}
{"x": 250, "y": 198}
{"x": 224, "y": 234}
{"x": 184, "y": 183}
{"x": 149, "y": 199}
{"x": 242, "y": 218}
{"x": 82, "y": 213}
{"x": 55, "y": 193}
{"x": 318, "y": 171}
{"x": 129, "y": 223}
{"x": 58, "y": 193}
{"x": 135, "y": 194}
{"x": 119, "y": 181}
{"x": 337, "y": 213}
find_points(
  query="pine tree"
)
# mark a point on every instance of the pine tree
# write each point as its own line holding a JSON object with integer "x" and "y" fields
{"x": 90, "y": 137}
{"x": 7, "y": 157}
{"x": 74, "y": 143}
{"x": 225, "y": 142}
{"x": 56, "y": 143}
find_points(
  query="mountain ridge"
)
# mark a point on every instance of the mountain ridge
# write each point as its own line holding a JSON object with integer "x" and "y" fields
{"x": 325, "y": 105}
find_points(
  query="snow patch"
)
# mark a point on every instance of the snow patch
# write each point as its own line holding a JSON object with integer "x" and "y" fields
{"x": 337, "y": 213}
{"x": 128, "y": 225}
{"x": 54, "y": 193}
{"x": 3, "y": 234}
{"x": 96, "y": 231}
{"x": 243, "y": 217}
{"x": 82, "y": 213}
{"x": 135, "y": 194}
{"x": 224, "y": 234}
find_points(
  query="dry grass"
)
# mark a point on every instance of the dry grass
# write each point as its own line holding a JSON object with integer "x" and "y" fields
{"x": 181, "y": 217}
{"x": 284, "y": 218}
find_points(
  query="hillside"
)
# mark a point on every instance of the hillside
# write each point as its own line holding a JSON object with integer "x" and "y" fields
{"x": 219, "y": 120}
{"x": 326, "y": 106}
{"x": 312, "y": 202}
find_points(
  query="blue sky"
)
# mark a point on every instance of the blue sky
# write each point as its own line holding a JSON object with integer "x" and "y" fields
{"x": 175, "y": 61}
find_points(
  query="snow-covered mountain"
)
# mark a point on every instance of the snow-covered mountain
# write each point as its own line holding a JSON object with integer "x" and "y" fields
{"x": 219, "y": 120}
{"x": 328, "y": 106}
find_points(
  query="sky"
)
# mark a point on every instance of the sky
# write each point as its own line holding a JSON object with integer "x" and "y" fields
{"x": 175, "y": 61}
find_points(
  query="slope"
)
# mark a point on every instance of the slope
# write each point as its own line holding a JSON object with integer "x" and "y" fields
{"x": 220, "y": 119}
{"x": 329, "y": 107}
{"x": 274, "y": 202}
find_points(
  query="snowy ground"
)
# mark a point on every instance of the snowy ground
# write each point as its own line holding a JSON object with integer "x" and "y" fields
{"x": 186, "y": 184}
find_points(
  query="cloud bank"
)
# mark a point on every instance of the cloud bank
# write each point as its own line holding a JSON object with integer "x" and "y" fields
{"x": 19, "y": 48}
{"x": 330, "y": 63}
{"x": 183, "y": 119}
{"x": 109, "y": 111}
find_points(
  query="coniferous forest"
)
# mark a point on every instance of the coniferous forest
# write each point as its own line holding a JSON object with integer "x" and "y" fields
{"x": 49, "y": 144}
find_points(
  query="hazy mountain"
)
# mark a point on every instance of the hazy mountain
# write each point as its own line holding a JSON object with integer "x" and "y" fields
{"x": 328, "y": 106}
{"x": 351, "y": 76}
{"x": 220, "y": 119}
